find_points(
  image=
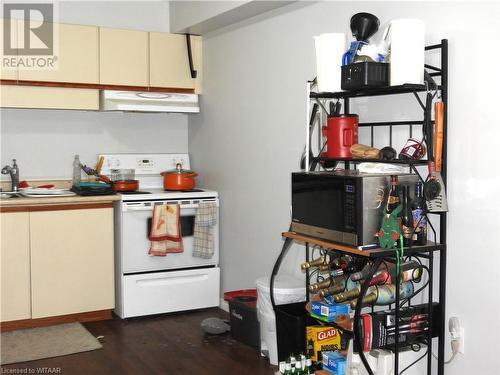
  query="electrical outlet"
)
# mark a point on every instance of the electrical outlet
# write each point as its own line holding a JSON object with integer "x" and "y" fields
{"x": 457, "y": 332}
{"x": 462, "y": 341}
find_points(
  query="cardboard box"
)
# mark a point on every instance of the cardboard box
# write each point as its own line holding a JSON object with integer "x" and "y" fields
{"x": 334, "y": 362}
{"x": 321, "y": 338}
{"x": 328, "y": 311}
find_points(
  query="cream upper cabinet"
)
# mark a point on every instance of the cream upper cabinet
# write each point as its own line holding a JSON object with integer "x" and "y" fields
{"x": 124, "y": 57}
{"x": 169, "y": 62}
{"x": 76, "y": 50}
{"x": 48, "y": 97}
{"x": 71, "y": 261}
{"x": 15, "y": 266}
{"x": 8, "y": 72}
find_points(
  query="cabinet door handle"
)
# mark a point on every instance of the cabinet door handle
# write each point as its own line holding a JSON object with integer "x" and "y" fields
{"x": 194, "y": 73}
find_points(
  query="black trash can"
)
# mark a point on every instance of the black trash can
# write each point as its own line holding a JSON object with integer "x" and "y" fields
{"x": 243, "y": 320}
{"x": 291, "y": 322}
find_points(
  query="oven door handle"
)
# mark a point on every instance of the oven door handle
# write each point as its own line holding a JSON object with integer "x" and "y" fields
{"x": 150, "y": 208}
{"x": 137, "y": 208}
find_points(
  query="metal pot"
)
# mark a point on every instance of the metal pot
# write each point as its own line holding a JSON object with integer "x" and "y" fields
{"x": 178, "y": 178}
{"x": 125, "y": 185}
{"x": 122, "y": 174}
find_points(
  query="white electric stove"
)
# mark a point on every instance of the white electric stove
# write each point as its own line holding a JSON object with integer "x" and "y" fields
{"x": 147, "y": 284}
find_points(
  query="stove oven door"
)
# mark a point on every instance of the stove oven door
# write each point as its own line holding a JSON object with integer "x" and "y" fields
{"x": 135, "y": 227}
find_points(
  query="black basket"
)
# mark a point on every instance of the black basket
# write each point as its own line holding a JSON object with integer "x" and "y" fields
{"x": 243, "y": 320}
{"x": 364, "y": 74}
{"x": 291, "y": 322}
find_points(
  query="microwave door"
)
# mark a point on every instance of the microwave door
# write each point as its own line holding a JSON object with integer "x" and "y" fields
{"x": 317, "y": 202}
{"x": 318, "y": 206}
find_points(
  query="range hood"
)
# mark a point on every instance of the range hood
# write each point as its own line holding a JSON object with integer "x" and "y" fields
{"x": 112, "y": 100}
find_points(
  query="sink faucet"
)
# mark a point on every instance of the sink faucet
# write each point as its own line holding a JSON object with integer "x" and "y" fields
{"x": 14, "y": 174}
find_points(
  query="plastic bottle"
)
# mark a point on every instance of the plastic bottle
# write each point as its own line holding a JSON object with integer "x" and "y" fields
{"x": 77, "y": 170}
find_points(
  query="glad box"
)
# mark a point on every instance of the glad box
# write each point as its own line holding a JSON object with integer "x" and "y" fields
{"x": 321, "y": 338}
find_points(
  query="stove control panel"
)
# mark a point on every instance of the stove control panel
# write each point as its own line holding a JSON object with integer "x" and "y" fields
{"x": 144, "y": 164}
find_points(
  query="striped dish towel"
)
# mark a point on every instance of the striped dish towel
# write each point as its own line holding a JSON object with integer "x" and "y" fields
{"x": 165, "y": 235}
{"x": 204, "y": 221}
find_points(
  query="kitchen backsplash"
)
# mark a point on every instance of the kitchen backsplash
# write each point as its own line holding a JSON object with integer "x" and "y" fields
{"x": 44, "y": 142}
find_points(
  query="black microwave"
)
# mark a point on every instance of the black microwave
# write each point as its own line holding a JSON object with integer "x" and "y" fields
{"x": 340, "y": 206}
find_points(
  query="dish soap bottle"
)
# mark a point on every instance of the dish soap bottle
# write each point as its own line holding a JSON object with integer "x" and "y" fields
{"x": 77, "y": 171}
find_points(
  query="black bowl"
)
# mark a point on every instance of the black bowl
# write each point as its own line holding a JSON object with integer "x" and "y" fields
{"x": 364, "y": 25}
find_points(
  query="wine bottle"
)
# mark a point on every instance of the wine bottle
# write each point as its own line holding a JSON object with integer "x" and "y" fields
{"x": 332, "y": 272}
{"x": 386, "y": 294}
{"x": 419, "y": 218}
{"x": 393, "y": 199}
{"x": 327, "y": 283}
{"x": 385, "y": 277}
{"x": 387, "y": 266}
{"x": 356, "y": 265}
{"x": 340, "y": 262}
{"x": 407, "y": 218}
{"x": 334, "y": 289}
{"x": 353, "y": 293}
{"x": 361, "y": 274}
{"x": 409, "y": 272}
{"x": 323, "y": 259}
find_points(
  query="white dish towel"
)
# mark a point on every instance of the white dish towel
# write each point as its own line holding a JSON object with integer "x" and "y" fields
{"x": 204, "y": 222}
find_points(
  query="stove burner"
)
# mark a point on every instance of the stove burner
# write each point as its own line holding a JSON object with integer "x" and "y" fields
{"x": 186, "y": 191}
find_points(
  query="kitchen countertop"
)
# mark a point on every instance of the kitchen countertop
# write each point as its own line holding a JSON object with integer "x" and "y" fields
{"x": 23, "y": 201}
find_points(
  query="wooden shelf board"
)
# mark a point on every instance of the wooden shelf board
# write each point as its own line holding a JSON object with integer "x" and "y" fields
{"x": 373, "y": 253}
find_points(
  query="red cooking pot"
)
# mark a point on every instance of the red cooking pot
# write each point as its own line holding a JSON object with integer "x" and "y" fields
{"x": 125, "y": 185}
{"x": 178, "y": 178}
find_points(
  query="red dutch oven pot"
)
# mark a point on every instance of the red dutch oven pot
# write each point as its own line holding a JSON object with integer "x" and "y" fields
{"x": 178, "y": 178}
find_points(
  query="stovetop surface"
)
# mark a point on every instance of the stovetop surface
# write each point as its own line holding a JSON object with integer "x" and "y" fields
{"x": 159, "y": 193}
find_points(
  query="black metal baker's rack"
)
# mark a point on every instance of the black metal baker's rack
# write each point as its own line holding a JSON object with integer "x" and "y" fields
{"x": 438, "y": 247}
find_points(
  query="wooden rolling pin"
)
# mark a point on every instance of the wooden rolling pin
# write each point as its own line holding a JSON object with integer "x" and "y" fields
{"x": 438, "y": 135}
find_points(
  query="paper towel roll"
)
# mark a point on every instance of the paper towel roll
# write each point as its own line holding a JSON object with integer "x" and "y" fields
{"x": 329, "y": 50}
{"x": 407, "y": 38}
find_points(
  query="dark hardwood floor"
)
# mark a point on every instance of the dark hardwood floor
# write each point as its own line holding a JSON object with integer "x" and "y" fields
{"x": 161, "y": 344}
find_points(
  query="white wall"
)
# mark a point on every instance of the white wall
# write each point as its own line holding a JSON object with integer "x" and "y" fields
{"x": 135, "y": 15}
{"x": 250, "y": 135}
{"x": 45, "y": 141}
{"x": 200, "y": 17}
{"x": 188, "y": 13}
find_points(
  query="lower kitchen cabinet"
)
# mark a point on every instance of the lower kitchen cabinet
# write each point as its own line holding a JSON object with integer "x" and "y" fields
{"x": 71, "y": 261}
{"x": 15, "y": 266}
{"x": 56, "y": 261}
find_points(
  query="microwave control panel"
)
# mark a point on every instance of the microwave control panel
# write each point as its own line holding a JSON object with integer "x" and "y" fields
{"x": 349, "y": 204}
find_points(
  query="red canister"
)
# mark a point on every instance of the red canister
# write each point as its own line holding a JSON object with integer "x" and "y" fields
{"x": 341, "y": 133}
